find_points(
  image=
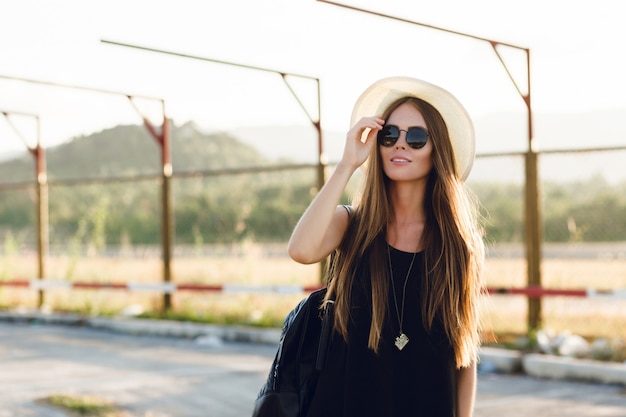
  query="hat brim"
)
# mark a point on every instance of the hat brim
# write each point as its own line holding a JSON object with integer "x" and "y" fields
{"x": 377, "y": 97}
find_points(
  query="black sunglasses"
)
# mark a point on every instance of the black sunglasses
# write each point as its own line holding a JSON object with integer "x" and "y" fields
{"x": 416, "y": 137}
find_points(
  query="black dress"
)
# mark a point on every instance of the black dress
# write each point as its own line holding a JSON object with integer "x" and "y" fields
{"x": 419, "y": 380}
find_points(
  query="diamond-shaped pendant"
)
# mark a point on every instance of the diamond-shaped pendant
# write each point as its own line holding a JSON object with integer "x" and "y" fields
{"x": 401, "y": 341}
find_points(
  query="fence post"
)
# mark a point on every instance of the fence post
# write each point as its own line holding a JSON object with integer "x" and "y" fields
{"x": 166, "y": 210}
{"x": 533, "y": 239}
{"x": 42, "y": 215}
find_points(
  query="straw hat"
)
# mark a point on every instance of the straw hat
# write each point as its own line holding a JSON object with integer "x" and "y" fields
{"x": 377, "y": 97}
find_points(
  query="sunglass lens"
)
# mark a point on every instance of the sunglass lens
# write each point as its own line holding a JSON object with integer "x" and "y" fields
{"x": 416, "y": 137}
{"x": 388, "y": 135}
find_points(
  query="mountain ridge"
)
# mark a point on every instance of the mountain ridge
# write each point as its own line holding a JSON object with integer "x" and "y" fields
{"x": 129, "y": 150}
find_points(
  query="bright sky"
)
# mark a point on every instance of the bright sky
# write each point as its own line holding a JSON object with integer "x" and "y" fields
{"x": 577, "y": 58}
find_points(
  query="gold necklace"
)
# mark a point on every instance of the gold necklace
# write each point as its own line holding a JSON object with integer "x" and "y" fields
{"x": 402, "y": 339}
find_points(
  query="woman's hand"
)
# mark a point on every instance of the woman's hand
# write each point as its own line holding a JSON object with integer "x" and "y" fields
{"x": 323, "y": 224}
{"x": 357, "y": 148}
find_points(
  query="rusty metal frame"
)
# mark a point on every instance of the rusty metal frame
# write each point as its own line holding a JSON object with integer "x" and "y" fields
{"x": 41, "y": 179}
{"x": 317, "y": 124}
{"x": 162, "y": 137}
{"x": 532, "y": 209}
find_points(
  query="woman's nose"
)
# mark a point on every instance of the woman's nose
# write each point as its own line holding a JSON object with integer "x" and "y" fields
{"x": 401, "y": 142}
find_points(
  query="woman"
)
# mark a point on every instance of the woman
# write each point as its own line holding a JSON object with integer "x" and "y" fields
{"x": 406, "y": 259}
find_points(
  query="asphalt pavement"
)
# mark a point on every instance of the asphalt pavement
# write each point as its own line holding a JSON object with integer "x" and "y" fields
{"x": 165, "y": 376}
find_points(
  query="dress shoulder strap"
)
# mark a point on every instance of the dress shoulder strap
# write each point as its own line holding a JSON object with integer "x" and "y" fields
{"x": 349, "y": 209}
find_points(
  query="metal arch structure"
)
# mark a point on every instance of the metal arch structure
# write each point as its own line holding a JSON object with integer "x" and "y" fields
{"x": 316, "y": 122}
{"x": 41, "y": 179}
{"x": 162, "y": 137}
{"x": 532, "y": 210}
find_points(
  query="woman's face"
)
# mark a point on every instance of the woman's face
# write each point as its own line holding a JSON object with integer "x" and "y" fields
{"x": 400, "y": 161}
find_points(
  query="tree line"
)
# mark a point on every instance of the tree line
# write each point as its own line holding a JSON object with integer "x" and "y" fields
{"x": 266, "y": 207}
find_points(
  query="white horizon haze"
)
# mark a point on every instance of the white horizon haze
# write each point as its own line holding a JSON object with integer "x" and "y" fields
{"x": 576, "y": 51}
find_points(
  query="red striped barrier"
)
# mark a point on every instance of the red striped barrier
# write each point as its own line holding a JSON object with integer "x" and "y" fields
{"x": 536, "y": 292}
{"x": 15, "y": 283}
{"x": 161, "y": 287}
{"x": 165, "y": 287}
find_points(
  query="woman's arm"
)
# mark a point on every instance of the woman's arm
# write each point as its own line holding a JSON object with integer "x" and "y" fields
{"x": 466, "y": 390}
{"x": 323, "y": 224}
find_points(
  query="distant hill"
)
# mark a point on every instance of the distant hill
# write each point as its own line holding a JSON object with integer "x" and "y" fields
{"x": 266, "y": 207}
{"x": 130, "y": 150}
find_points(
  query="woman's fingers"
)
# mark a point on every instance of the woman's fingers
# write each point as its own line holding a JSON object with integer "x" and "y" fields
{"x": 373, "y": 123}
{"x": 361, "y": 138}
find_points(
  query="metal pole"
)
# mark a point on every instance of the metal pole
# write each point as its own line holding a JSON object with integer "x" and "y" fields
{"x": 532, "y": 205}
{"x": 534, "y": 238}
{"x": 201, "y": 58}
{"x": 162, "y": 137}
{"x": 167, "y": 220}
{"x": 41, "y": 210}
{"x": 321, "y": 166}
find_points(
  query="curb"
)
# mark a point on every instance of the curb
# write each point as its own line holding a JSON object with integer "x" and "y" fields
{"x": 170, "y": 328}
{"x": 491, "y": 359}
{"x": 558, "y": 367}
{"x": 150, "y": 327}
{"x": 500, "y": 360}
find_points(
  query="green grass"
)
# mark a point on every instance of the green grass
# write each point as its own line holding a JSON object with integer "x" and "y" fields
{"x": 82, "y": 405}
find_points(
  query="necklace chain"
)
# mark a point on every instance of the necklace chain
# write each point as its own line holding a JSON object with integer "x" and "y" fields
{"x": 402, "y": 339}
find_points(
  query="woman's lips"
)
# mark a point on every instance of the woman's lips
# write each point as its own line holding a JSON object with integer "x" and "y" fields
{"x": 396, "y": 159}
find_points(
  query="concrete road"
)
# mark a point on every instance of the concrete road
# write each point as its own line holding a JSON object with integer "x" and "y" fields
{"x": 174, "y": 377}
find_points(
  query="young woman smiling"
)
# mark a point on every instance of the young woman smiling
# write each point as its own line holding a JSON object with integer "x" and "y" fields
{"x": 406, "y": 259}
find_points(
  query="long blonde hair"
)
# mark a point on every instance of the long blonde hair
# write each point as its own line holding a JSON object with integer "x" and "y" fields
{"x": 453, "y": 249}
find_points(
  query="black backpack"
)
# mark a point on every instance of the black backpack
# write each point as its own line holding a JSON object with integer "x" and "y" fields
{"x": 300, "y": 357}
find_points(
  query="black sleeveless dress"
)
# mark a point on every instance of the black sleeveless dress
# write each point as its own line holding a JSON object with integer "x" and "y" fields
{"x": 418, "y": 381}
